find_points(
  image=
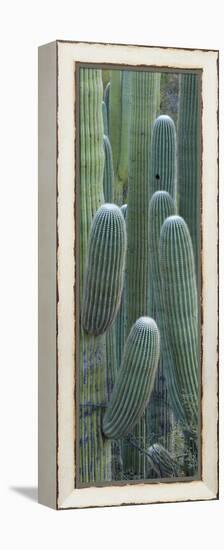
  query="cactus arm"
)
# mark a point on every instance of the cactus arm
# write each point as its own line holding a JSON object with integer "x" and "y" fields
{"x": 179, "y": 294}
{"x": 105, "y": 270}
{"x": 135, "y": 379}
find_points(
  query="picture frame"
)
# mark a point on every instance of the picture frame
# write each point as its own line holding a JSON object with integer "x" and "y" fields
{"x": 59, "y": 63}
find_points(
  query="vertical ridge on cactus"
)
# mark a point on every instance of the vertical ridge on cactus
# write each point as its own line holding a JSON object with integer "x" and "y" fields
{"x": 180, "y": 310}
{"x": 105, "y": 269}
{"x": 135, "y": 379}
{"x": 94, "y": 451}
{"x": 108, "y": 177}
{"x": 189, "y": 156}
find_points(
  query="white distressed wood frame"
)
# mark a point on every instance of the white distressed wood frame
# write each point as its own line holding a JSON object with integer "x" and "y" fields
{"x": 57, "y": 63}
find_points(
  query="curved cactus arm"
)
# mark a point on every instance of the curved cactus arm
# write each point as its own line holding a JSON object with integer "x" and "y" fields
{"x": 180, "y": 312}
{"x": 135, "y": 379}
{"x": 162, "y": 460}
{"x": 105, "y": 270}
{"x": 108, "y": 177}
{"x": 163, "y": 172}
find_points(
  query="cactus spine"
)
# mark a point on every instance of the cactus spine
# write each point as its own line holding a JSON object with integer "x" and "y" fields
{"x": 180, "y": 311}
{"x": 135, "y": 379}
{"x": 189, "y": 155}
{"x": 94, "y": 450}
{"x": 108, "y": 178}
{"x": 105, "y": 269}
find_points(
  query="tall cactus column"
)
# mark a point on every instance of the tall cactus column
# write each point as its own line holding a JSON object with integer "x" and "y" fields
{"x": 94, "y": 450}
{"x": 189, "y": 156}
{"x": 163, "y": 183}
{"x": 143, "y": 112}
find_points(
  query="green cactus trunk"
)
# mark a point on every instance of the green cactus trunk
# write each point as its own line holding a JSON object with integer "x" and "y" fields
{"x": 94, "y": 450}
{"x": 144, "y": 101}
{"x": 189, "y": 157}
{"x": 135, "y": 379}
{"x": 180, "y": 311}
{"x": 105, "y": 269}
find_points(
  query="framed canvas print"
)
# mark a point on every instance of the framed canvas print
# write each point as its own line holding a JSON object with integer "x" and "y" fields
{"x": 128, "y": 274}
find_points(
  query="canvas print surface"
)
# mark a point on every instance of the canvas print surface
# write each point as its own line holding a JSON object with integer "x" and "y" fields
{"x": 139, "y": 285}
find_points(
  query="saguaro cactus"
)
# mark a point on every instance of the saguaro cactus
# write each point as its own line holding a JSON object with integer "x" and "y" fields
{"x": 189, "y": 156}
{"x": 179, "y": 294}
{"x": 105, "y": 269}
{"x": 94, "y": 450}
{"x": 135, "y": 379}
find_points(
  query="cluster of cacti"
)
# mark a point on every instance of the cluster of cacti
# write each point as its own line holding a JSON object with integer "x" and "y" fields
{"x": 138, "y": 333}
